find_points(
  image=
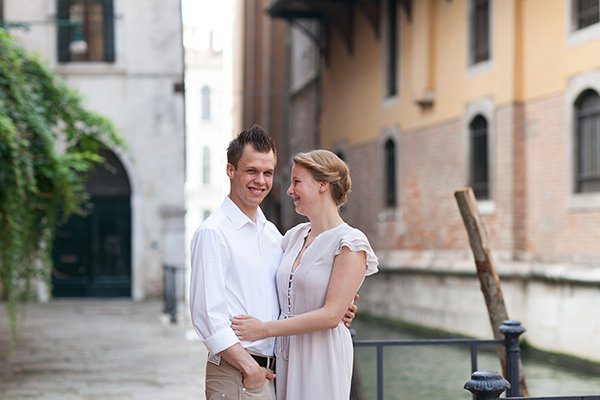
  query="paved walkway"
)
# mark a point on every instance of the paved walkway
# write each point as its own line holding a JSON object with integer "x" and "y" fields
{"x": 100, "y": 349}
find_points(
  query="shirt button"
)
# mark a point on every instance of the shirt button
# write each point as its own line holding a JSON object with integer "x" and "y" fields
{"x": 243, "y": 389}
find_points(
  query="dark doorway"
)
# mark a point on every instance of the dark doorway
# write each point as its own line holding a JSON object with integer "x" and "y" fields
{"x": 92, "y": 254}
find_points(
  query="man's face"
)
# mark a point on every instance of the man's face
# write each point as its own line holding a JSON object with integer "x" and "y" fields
{"x": 252, "y": 179}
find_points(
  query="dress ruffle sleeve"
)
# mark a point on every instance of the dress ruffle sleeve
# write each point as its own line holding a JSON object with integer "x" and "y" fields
{"x": 355, "y": 240}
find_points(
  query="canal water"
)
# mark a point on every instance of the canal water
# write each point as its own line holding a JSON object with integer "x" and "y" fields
{"x": 439, "y": 372}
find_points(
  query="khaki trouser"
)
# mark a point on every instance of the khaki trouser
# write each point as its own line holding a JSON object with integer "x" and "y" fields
{"x": 224, "y": 382}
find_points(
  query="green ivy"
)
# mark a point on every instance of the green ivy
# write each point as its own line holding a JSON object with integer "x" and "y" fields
{"x": 48, "y": 142}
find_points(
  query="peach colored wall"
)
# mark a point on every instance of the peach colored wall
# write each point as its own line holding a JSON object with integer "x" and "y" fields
{"x": 531, "y": 58}
{"x": 353, "y": 104}
{"x": 549, "y": 61}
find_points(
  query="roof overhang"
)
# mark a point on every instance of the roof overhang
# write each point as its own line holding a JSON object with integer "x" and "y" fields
{"x": 337, "y": 14}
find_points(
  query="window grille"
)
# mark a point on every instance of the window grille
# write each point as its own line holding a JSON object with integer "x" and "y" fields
{"x": 390, "y": 173}
{"x": 480, "y": 31}
{"x": 587, "y": 12}
{"x": 478, "y": 130}
{"x": 587, "y": 142}
{"x": 391, "y": 87}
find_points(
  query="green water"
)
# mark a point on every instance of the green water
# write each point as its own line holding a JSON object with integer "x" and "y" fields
{"x": 439, "y": 372}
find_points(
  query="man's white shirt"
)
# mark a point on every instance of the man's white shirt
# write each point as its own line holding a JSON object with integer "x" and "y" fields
{"x": 234, "y": 262}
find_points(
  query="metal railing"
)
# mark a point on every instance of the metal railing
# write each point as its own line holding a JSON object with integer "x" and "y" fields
{"x": 488, "y": 385}
{"x": 510, "y": 329}
{"x": 172, "y": 290}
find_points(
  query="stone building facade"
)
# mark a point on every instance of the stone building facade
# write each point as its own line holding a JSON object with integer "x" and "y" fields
{"x": 426, "y": 97}
{"x": 130, "y": 69}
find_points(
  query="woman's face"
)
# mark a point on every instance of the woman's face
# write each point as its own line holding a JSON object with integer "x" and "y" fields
{"x": 304, "y": 190}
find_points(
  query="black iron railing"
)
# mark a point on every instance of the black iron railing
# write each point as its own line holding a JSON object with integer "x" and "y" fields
{"x": 510, "y": 329}
{"x": 488, "y": 385}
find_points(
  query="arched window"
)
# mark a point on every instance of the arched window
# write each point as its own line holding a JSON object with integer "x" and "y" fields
{"x": 390, "y": 173}
{"x": 479, "y": 165}
{"x": 206, "y": 165}
{"x": 587, "y": 142}
{"x": 205, "y": 103}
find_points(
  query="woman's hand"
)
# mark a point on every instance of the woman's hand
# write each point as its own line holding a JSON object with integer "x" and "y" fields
{"x": 247, "y": 327}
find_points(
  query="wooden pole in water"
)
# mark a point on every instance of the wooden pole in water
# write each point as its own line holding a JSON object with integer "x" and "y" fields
{"x": 486, "y": 272}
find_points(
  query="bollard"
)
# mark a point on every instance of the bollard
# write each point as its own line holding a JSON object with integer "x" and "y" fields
{"x": 170, "y": 288}
{"x": 486, "y": 385}
{"x": 512, "y": 330}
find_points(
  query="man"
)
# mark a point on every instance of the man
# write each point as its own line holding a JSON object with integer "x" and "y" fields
{"x": 235, "y": 255}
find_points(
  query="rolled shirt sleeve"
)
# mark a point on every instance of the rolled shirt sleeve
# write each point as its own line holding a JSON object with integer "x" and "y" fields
{"x": 208, "y": 303}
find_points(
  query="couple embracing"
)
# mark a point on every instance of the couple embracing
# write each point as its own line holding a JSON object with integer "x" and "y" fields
{"x": 262, "y": 303}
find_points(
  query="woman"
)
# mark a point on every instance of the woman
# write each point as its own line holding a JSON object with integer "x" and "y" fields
{"x": 324, "y": 264}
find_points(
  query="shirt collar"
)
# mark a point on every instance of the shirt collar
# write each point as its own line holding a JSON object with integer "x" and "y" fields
{"x": 238, "y": 218}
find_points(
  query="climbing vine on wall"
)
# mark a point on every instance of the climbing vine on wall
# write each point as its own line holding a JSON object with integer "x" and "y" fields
{"x": 48, "y": 141}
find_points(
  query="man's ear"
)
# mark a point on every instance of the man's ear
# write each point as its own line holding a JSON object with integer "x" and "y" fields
{"x": 230, "y": 170}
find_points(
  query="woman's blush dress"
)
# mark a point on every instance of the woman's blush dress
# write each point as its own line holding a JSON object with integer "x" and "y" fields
{"x": 317, "y": 365}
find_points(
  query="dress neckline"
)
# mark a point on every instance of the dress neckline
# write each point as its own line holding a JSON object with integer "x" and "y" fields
{"x": 309, "y": 226}
{"x": 304, "y": 249}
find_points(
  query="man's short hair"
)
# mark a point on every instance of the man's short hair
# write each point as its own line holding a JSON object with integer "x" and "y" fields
{"x": 260, "y": 140}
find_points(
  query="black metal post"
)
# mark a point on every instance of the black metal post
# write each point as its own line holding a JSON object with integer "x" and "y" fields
{"x": 486, "y": 385}
{"x": 356, "y": 392}
{"x": 473, "y": 357}
{"x": 170, "y": 292}
{"x": 512, "y": 330}
{"x": 379, "y": 372}
{"x": 165, "y": 302}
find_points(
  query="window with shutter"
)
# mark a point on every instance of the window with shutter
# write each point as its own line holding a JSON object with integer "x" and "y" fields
{"x": 91, "y": 21}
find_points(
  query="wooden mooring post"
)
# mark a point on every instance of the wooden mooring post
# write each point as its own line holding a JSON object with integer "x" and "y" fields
{"x": 486, "y": 272}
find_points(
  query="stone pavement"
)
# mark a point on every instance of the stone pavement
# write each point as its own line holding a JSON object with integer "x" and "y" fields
{"x": 100, "y": 349}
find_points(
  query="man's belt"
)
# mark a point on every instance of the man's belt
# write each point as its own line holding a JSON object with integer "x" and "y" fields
{"x": 266, "y": 362}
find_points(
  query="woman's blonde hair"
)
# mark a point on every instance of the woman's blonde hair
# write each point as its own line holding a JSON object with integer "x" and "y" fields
{"x": 325, "y": 166}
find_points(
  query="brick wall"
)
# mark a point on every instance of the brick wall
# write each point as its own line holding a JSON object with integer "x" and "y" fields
{"x": 365, "y": 199}
{"x": 530, "y": 184}
{"x": 432, "y": 164}
{"x": 556, "y": 232}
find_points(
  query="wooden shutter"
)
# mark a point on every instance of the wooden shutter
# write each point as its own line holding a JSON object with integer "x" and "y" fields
{"x": 109, "y": 30}
{"x": 64, "y": 31}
